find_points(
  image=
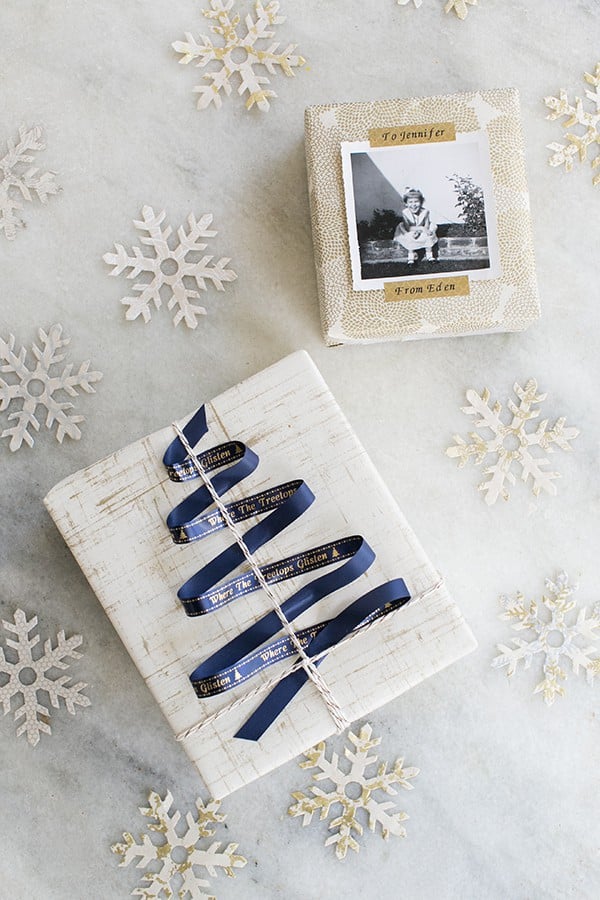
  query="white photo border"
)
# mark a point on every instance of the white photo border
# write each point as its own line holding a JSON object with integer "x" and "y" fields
{"x": 373, "y": 284}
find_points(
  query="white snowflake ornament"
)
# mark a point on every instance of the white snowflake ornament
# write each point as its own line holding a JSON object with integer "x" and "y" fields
{"x": 26, "y": 674}
{"x": 460, "y": 7}
{"x": 586, "y": 120}
{"x": 176, "y": 858}
{"x": 239, "y": 55}
{"x": 171, "y": 269}
{"x": 511, "y": 443}
{"x": 552, "y": 637}
{"x": 19, "y": 181}
{"x": 356, "y": 781}
{"x": 38, "y": 386}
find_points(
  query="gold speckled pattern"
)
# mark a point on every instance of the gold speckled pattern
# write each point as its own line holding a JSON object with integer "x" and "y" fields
{"x": 507, "y": 303}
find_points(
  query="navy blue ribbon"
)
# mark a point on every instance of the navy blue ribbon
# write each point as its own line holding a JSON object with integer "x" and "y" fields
{"x": 290, "y": 567}
{"x": 291, "y": 506}
{"x": 379, "y": 602}
{"x": 184, "y": 532}
{"x": 176, "y": 460}
{"x": 209, "y": 679}
{"x": 240, "y": 462}
{"x": 245, "y": 655}
{"x": 182, "y": 520}
{"x": 269, "y": 624}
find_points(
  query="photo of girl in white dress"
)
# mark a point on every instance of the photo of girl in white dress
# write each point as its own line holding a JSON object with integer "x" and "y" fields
{"x": 420, "y": 210}
{"x": 415, "y": 230}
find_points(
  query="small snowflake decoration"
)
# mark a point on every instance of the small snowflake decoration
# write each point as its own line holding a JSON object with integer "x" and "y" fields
{"x": 171, "y": 269}
{"x": 511, "y": 443}
{"x": 38, "y": 386}
{"x": 239, "y": 54}
{"x": 588, "y": 123}
{"x": 377, "y": 811}
{"x": 460, "y": 7}
{"x": 553, "y": 637}
{"x": 177, "y": 855}
{"x": 25, "y": 675}
{"x": 20, "y": 181}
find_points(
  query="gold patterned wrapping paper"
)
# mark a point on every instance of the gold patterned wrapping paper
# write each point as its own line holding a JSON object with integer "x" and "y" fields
{"x": 508, "y": 302}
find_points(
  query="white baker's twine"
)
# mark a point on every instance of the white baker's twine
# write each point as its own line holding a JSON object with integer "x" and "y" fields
{"x": 267, "y": 685}
{"x": 333, "y": 707}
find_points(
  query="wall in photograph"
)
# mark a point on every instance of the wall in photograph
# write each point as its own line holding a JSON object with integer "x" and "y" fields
{"x": 376, "y": 192}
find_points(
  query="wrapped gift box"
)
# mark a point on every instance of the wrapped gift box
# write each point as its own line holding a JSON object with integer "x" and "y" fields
{"x": 464, "y": 154}
{"x": 113, "y": 515}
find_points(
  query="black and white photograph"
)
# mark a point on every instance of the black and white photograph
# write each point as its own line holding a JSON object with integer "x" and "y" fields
{"x": 419, "y": 210}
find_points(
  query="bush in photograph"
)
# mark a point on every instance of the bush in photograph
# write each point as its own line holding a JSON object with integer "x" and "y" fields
{"x": 469, "y": 199}
{"x": 380, "y": 227}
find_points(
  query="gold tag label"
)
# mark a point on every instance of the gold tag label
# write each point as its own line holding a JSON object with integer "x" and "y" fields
{"x": 428, "y": 288}
{"x": 401, "y": 135}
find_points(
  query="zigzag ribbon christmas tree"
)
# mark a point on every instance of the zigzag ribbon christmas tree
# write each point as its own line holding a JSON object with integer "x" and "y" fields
{"x": 203, "y": 513}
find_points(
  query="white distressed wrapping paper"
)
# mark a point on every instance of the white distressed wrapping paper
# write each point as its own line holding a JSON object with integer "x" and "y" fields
{"x": 112, "y": 515}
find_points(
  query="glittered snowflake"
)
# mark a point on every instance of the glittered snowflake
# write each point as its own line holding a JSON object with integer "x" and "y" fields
{"x": 586, "y": 121}
{"x": 239, "y": 54}
{"x": 552, "y": 636}
{"x": 171, "y": 269}
{"x": 24, "y": 674}
{"x": 174, "y": 857}
{"x": 38, "y": 386}
{"x": 460, "y": 7}
{"x": 355, "y": 782}
{"x": 511, "y": 443}
{"x": 19, "y": 181}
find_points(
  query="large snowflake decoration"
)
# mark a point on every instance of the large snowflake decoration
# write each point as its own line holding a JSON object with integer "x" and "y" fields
{"x": 171, "y": 269}
{"x": 176, "y": 857}
{"x": 460, "y": 7}
{"x": 239, "y": 54}
{"x": 553, "y": 637}
{"x": 511, "y": 443}
{"x": 38, "y": 386}
{"x": 587, "y": 122}
{"x": 353, "y": 781}
{"x": 26, "y": 674}
{"x": 20, "y": 181}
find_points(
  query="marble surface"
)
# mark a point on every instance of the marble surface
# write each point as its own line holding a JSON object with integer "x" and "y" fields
{"x": 506, "y": 803}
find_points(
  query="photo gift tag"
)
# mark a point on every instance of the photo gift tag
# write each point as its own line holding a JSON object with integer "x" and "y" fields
{"x": 420, "y": 211}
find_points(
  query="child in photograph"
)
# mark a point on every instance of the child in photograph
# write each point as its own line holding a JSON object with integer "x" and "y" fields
{"x": 415, "y": 231}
